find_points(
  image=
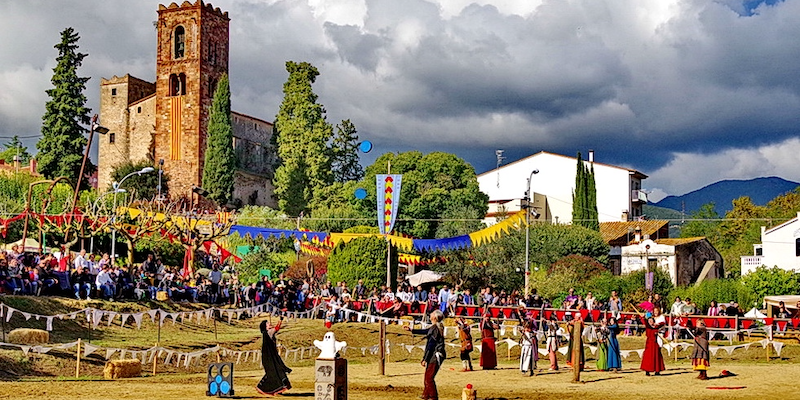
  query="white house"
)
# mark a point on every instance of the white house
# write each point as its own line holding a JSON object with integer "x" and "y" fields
{"x": 780, "y": 246}
{"x": 619, "y": 195}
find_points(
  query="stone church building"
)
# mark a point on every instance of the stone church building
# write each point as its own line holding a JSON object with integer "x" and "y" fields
{"x": 167, "y": 119}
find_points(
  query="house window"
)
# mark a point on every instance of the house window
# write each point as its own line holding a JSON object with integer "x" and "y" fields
{"x": 114, "y": 91}
{"x": 797, "y": 247}
{"x": 138, "y": 110}
{"x": 112, "y": 137}
{"x": 180, "y": 42}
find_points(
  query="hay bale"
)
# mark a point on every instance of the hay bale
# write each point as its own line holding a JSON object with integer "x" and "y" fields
{"x": 122, "y": 369}
{"x": 28, "y": 336}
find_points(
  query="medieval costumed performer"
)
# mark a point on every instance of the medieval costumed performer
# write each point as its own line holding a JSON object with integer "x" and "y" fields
{"x": 700, "y": 355}
{"x": 652, "y": 360}
{"x": 553, "y": 341}
{"x": 575, "y": 348}
{"x": 529, "y": 349}
{"x": 488, "y": 349}
{"x": 602, "y": 345}
{"x": 614, "y": 359}
{"x": 434, "y": 353}
{"x": 465, "y": 336}
{"x": 275, "y": 378}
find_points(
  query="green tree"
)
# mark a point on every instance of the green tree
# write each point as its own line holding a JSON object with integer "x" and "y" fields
{"x": 62, "y": 143}
{"x": 361, "y": 258}
{"x": 14, "y": 148}
{"x": 144, "y": 186}
{"x": 771, "y": 281}
{"x": 432, "y": 186}
{"x": 551, "y": 242}
{"x": 704, "y": 222}
{"x": 302, "y": 135}
{"x": 584, "y": 198}
{"x": 220, "y": 158}
{"x": 344, "y": 153}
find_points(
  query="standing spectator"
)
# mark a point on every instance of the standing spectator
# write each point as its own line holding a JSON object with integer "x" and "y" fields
{"x": 590, "y": 301}
{"x": 444, "y": 297}
{"x": 614, "y": 304}
{"x": 677, "y": 307}
{"x": 215, "y": 276}
{"x": 466, "y": 298}
{"x": 360, "y": 290}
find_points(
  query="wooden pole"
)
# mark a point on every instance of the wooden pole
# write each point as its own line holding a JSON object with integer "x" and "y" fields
{"x": 78, "y": 363}
{"x": 577, "y": 349}
{"x": 155, "y": 359}
{"x": 3, "y": 320}
{"x": 382, "y": 348}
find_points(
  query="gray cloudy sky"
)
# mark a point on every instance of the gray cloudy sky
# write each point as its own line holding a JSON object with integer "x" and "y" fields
{"x": 686, "y": 91}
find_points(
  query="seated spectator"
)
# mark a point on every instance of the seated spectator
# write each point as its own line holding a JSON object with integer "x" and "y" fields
{"x": 105, "y": 283}
{"x": 81, "y": 280}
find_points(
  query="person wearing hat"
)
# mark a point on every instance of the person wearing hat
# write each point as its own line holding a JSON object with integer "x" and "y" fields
{"x": 488, "y": 349}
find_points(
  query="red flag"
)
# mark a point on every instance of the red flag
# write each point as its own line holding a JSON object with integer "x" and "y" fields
{"x": 746, "y": 323}
{"x": 188, "y": 259}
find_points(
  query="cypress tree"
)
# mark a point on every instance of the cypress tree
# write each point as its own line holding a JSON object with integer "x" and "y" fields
{"x": 579, "y": 195}
{"x": 220, "y": 158}
{"x": 344, "y": 153}
{"x": 593, "y": 221}
{"x": 62, "y": 144}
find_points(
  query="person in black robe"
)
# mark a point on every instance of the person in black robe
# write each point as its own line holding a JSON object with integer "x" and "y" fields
{"x": 275, "y": 379}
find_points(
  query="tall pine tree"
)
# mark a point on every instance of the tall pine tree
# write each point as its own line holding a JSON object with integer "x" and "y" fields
{"x": 62, "y": 144}
{"x": 302, "y": 138}
{"x": 220, "y": 158}
{"x": 344, "y": 153}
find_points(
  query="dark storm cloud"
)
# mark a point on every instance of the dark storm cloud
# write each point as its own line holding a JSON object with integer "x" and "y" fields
{"x": 647, "y": 85}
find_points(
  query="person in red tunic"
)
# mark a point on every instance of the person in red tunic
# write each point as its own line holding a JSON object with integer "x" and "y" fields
{"x": 652, "y": 360}
{"x": 488, "y": 350}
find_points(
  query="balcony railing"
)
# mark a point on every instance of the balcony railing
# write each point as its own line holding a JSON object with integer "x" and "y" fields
{"x": 752, "y": 262}
{"x": 638, "y": 196}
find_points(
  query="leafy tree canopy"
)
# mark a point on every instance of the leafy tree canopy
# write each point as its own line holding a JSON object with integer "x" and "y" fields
{"x": 361, "y": 258}
{"x": 14, "y": 148}
{"x": 302, "y": 136}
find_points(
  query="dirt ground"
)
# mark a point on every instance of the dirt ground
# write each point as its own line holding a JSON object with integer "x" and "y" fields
{"x": 404, "y": 381}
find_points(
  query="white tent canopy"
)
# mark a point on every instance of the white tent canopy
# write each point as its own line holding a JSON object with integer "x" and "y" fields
{"x": 424, "y": 276}
{"x": 31, "y": 245}
{"x": 754, "y": 313}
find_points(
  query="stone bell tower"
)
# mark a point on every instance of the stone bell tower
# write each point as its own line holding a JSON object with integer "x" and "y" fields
{"x": 193, "y": 48}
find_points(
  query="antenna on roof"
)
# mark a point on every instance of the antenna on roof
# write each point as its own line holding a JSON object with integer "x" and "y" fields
{"x": 500, "y": 158}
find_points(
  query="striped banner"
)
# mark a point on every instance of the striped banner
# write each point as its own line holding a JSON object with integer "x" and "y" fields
{"x": 388, "y": 195}
{"x": 176, "y": 128}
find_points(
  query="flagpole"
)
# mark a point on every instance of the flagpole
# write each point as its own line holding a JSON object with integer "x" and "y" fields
{"x": 388, "y": 243}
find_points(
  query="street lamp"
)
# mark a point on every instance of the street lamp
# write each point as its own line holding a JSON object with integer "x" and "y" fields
{"x": 116, "y": 186}
{"x": 528, "y": 233}
{"x": 94, "y": 126}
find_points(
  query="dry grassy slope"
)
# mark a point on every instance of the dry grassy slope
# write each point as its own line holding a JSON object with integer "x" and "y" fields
{"x": 244, "y": 335}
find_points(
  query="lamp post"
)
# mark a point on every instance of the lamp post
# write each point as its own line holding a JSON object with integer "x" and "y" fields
{"x": 160, "y": 173}
{"x": 116, "y": 186}
{"x": 94, "y": 126}
{"x": 528, "y": 233}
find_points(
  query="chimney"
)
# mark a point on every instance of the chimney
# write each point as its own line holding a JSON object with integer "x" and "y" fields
{"x": 591, "y": 156}
{"x": 637, "y": 235}
{"x": 32, "y": 165}
{"x": 16, "y": 162}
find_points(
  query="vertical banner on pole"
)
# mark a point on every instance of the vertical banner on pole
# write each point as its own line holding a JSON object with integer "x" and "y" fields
{"x": 388, "y": 194}
{"x": 648, "y": 281}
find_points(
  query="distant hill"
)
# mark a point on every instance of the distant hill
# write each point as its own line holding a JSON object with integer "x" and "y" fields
{"x": 722, "y": 193}
{"x": 674, "y": 217}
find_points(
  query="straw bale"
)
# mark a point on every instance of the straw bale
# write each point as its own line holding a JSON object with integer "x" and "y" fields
{"x": 122, "y": 369}
{"x": 28, "y": 336}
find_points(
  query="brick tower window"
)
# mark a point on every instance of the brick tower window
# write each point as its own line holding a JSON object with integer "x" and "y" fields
{"x": 180, "y": 42}
{"x": 177, "y": 85}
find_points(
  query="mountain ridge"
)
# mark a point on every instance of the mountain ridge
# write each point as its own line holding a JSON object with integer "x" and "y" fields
{"x": 722, "y": 193}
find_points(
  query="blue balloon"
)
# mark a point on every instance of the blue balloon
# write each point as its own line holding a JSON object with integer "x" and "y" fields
{"x": 365, "y": 146}
{"x": 212, "y": 388}
{"x": 218, "y": 379}
{"x": 361, "y": 194}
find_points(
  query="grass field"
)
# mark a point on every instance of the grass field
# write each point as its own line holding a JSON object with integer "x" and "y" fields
{"x": 52, "y": 375}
